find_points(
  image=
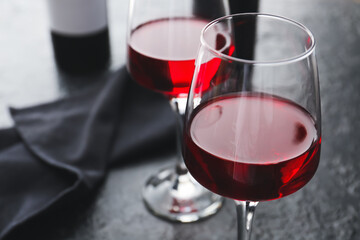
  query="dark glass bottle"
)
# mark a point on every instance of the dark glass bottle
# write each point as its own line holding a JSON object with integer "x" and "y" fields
{"x": 80, "y": 34}
{"x": 243, "y": 6}
{"x": 201, "y": 8}
{"x": 244, "y": 47}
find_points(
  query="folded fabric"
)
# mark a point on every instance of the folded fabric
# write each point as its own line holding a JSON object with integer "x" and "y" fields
{"x": 60, "y": 151}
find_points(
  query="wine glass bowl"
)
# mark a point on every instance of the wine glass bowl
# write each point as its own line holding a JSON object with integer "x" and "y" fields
{"x": 163, "y": 42}
{"x": 257, "y": 171}
{"x": 253, "y": 129}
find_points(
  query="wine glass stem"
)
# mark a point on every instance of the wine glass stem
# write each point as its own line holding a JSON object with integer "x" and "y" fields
{"x": 178, "y": 105}
{"x": 245, "y": 211}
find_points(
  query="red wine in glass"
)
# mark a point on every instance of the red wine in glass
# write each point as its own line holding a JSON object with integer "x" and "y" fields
{"x": 163, "y": 39}
{"x": 162, "y": 54}
{"x": 253, "y": 147}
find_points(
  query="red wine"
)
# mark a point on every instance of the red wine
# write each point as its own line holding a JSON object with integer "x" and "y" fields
{"x": 161, "y": 54}
{"x": 252, "y": 147}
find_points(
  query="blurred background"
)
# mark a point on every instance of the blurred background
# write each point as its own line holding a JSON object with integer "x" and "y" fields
{"x": 327, "y": 208}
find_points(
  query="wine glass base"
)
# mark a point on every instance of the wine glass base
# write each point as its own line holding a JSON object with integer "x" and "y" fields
{"x": 179, "y": 198}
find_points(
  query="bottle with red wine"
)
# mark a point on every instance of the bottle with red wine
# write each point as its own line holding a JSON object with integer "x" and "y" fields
{"x": 246, "y": 51}
{"x": 80, "y": 34}
{"x": 235, "y": 6}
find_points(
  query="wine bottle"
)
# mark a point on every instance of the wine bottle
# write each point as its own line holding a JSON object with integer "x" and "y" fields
{"x": 243, "y": 6}
{"x": 245, "y": 46}
{"x": 201, "y": 9}
{"x": 80, "y": 34}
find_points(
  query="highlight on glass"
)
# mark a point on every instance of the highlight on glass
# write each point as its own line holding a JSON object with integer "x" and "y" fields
{"x": 253, "y": 121}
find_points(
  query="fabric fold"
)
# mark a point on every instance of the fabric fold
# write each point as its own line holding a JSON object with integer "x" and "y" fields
{"x": 64, "y": 148}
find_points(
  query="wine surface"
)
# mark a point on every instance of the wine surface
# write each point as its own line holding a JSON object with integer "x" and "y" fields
{"x": 252, "y": 147}
{"x": 162, "y": 54}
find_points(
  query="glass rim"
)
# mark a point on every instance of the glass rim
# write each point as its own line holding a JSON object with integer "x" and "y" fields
{"x": 295, "y": 58}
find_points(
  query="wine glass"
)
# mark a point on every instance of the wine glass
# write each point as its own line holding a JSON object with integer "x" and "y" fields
{"x": 252, "y": 125}
{"x": 163, "y": 38}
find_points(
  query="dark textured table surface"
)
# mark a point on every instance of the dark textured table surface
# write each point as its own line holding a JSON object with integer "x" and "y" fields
{"x": 327, "y": 208}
